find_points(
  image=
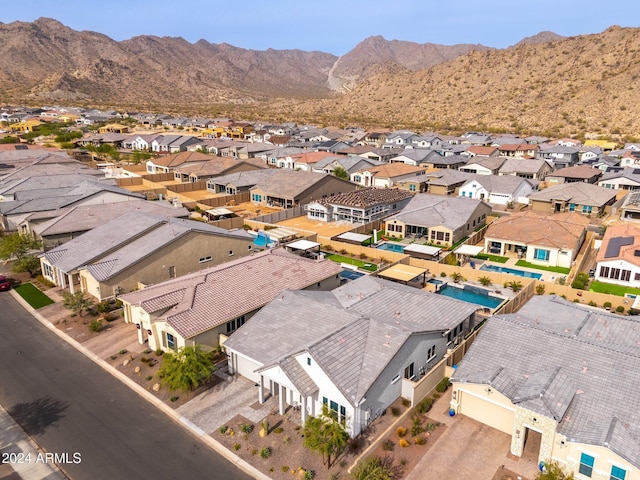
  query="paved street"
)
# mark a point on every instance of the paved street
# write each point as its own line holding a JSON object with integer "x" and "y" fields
{"x": 69, "y": 405}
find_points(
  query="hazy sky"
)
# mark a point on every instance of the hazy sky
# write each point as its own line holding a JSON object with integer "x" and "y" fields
{"x": 334, "y": 26}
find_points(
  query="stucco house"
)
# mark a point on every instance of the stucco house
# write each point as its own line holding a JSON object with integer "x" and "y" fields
{"x": 216, "y": 166}
{"x": 534, "y": 169}
{"x": 110, "y": 260}
{"x": 348, "y": 349}
{"x": 483, "y": 165}
{"x": 289, "y": 188}
{"x": 562, "y": 376}
{"x": 387, "y": 175}
{"x": 584, "y": 198}
{"x": 498, "y": 190}
{"x": 169, "y": 163}
{"x": 625, "y": 179}
{"x": 576, "y": 173}
{"x": 438, "y": 219}
{"x": 200, "y": 307}
{"x": 358, "y": 207}
{"x": 618, "y": 259}
{"x": 539, "y": 238}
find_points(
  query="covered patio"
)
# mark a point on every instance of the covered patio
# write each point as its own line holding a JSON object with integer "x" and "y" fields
{"x": 406, "y": 274}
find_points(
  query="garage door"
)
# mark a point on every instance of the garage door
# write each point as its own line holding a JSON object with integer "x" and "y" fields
{"x": 486, "y": 412}
{"x": 246, "y": 367}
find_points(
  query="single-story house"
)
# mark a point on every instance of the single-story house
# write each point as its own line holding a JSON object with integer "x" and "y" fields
{"x": 625, "y": 179}
{"x": 561, "y": 378}
{"x": 540, "y": 238}
{"x": 360, "y": 206}
{"x": 438, "y": 219}
{"x": 200, "y": 307}
{"x": 534, "y": 169}
{"x": 498, "y": 190}
{"x": 289, "y": 188}
{"x": 483, "y": 165}
{"x": 350, "y": 349}
{"x": 518, "y": 150}
{"x": 350, "y": 163}
{"x": 618, "y": 259}
{"x": 216, "y": 166}
{"x": 446, "y": 182}
{"x": 584, "y": 198}
{"x": 387, "y": 175}
{"x": 110, "y": 260}
{"x": 576, "y": 173}
{"x": 239, "y": 182}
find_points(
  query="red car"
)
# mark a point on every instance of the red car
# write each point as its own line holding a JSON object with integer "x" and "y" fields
{"x": 5, "y": 283}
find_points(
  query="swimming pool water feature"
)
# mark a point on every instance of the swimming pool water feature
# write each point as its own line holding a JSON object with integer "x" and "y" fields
{"x": 392, "y": 247}
{"x": 512, "y": 271}
{"x": 471, "y": 294}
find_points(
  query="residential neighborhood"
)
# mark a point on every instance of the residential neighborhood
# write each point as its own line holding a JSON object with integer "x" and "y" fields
{"x": 349, "y": 275}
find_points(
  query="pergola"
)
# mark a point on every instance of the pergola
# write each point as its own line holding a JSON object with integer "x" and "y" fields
{"x": 404, "y": 273}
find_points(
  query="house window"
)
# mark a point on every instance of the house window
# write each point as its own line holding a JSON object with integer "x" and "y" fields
{"x": 412, "y": 188}
{"x": 172, "y": 272}
{"x": 615, "y": 273}
{"x": 636, "y": 277}
{"x": 395, "y": 379}
{"x": 235, "y": 323}
{"x": 431, "y": 353}
{"x": 541, "y": 254}
{"x": 617, "y": 473}
{"x": 171, "y": 341}
{"x": 587, "y": 209}
{"x": 586, "y": 465}
{"x": 205, "y": 259}
{"x": 625, "y": 275}
{"x": 308, "y": 360}
{"x": 604, "y": 272}
{"x": 408, "y": 372}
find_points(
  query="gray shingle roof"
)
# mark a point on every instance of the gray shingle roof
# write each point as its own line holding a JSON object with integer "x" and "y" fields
{"x": 588, "y": 381}
{"x": 578, "y": 192}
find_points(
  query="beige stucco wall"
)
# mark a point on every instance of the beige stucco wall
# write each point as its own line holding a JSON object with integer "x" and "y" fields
{"x": 569, "y": 456}
{"x": 484, "y": 404}
{"x": 184, "y": 255}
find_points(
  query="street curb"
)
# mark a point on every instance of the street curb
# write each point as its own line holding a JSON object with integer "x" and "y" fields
{"x": 184, "y": 422}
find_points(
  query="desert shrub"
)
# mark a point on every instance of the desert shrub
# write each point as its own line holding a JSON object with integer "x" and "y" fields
{"x": 401, "y": 431}
{"x": 416, "y": 428}
{"x": 581, "y": 281}
{"x": 103, "y": 307}
{"x": 406, "y": 402}
{"x": 540, "y": 289}
{"x": 223, "y": 429}
{"x": 443, "y": 385}
{"x": 44, "y": 281}
{"x": 254, "y": 451}
{"x": 436, "y": 395}
{"x": 420, "y": 440}
{"x": 619, "y": 309}
{"x": 285, "y": 468}
{"x": 404, "y": 443}
{"x": 95, "y": 325}
{"x": 354, "y": 445}
{"x": 606, "y": 304}
{"x": 395, "y": 411}
{"x": 174, "y": 398}
{"x": 148, "y": 377}
{"x": 634, "y": 311}
{"x": 237, "y": 446}
{"x": 486, "y": 281}
{"x": 592, "y": 303}
{"x": 246, "y": 428}
{"x": 442, "y": 274}
{"x": 425, "y": 405}
{"x": 279, "y": 430}
{"x": 265, "y": 452}
{"x": 388, "y": 445}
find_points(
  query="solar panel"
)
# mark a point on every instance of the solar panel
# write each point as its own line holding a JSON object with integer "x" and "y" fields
{"x": 613, "y": 247}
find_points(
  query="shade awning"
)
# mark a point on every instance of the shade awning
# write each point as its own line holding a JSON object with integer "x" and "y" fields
{"x": 424, "y": 249}
{"x": 302, "y": 245}
{"x": 401, "y": 272}
{"x": 471, "y": 250}
{"x": 353, "y": 237}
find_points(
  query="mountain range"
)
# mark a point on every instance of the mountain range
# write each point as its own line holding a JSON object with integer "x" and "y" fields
{"x": 545, "y": 83}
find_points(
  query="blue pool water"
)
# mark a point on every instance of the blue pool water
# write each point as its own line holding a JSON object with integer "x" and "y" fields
{"x": 392, "y": 247}
{"x": 350, "y": 274}
{"x": 512, "y": 271}
{"x": 470, "y": 296}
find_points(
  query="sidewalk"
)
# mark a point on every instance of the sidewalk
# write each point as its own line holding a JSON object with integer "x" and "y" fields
{"x": 20, "y": 456}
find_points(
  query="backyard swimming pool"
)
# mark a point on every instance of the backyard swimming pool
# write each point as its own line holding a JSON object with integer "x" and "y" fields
{"x": 392, "y": 247}
{"x": 469, "y": 295}
{"x": 512, "y": 271}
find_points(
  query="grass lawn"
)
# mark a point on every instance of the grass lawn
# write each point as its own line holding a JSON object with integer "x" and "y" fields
{"x": 352, "y": 261}
{"x": 612, "y": 289}
{"x": 33, "y": 295}
{"x": 493, "y": 258}
{"x": 563, "y": 270}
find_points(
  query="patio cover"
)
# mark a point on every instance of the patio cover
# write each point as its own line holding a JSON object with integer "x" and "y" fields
{"x": 280, "y": 233}
{"x": 353, "y": 237}
{"x": 401, "y": 272}
{"x": 425, "y": 249}
{"x": 471, "y": 250}
{"x": 302, "y": 245}
{"x": 216, "y": 212}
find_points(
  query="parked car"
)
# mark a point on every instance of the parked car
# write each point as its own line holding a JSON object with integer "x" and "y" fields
{"x": 5, "y": 283}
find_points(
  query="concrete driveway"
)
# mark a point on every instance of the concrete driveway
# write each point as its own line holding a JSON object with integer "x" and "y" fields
{"x": 470, "y": 450}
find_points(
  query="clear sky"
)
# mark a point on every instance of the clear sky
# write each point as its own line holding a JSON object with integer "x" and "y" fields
{"x": 334, "y": 26}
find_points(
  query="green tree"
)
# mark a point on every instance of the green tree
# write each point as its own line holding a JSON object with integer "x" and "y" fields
{"x": 553, "y": 471}
{"x": 376, "y": 468}
{"x": 516, "y": 285}
{"x": 581, "y": 281}
{"x": 340, "y": 172}
{"x": 185, "y": 369}
{"x": 20, "y": 248}
{"x": 325, "y": 435}
{"x": 77, "y": 302}
{"x": 485, "y": 281}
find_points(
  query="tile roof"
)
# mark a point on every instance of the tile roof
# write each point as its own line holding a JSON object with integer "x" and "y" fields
{"x": 579, "y": 193}
{"x": 560, "y": 230}
{"x": 368, "y": 197}
{"x": 430, "y": 210}
{"x": 577, "y": 171}
{"x": 521, "y": 165}
{"x": 352, "y": 332}
{"x": 622, "y": 250}
{"x": 247, "y": 178}
{"x": 287, "y": 183}
{"x": 505, "y": 184}
{"x": 214, "y": 296}
{"x": 390, "y": 170}
{"x": 177, "y": 159}
{"x": 586, "y": 381}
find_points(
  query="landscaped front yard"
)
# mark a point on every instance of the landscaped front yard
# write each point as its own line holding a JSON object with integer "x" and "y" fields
{"x": 33, "y": 296}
